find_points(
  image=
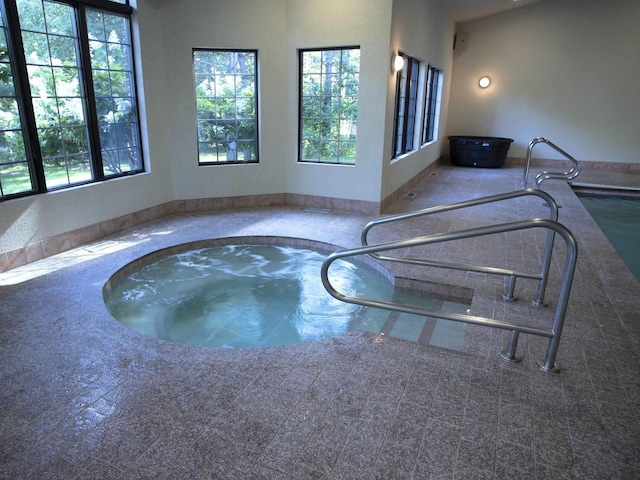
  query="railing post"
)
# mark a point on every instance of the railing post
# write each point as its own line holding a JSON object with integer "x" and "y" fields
{"x": 527, "y": 163}
{"x": 508, "y": 296}
{"x": 509, "y": 353}
{"x": 544, "y": 273}
{"x": 549, "y": 364}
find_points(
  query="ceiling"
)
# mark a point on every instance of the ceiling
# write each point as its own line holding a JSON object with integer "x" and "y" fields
{"x": 462, "y": 10}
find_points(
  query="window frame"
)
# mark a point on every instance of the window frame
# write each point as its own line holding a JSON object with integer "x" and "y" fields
{"x": 341, "y": 119}
{"x": 256, "y": 101}
{"x": 431, "y": 107}
{"x": 406, "y": 105}
{"x": 24, "y": 97}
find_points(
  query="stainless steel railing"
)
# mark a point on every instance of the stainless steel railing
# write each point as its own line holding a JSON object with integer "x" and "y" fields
{"x": 553, "y": 333}
{"x": 572, "y": 173}
{"x": 512, "y": 274}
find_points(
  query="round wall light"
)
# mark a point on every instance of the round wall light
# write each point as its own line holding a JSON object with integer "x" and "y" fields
{"x": 398, "y": 63}
{"x": 484, "y": 82}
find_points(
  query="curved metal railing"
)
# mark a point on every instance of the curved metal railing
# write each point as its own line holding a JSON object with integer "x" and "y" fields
{"x": 572, "y": 173}
{"x": 512, "y": 274}
{"x": 553, "y": 333}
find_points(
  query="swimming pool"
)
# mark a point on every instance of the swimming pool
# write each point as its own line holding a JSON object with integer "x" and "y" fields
{"x": 619, "y": 218}
{"x": 242, "y": 295}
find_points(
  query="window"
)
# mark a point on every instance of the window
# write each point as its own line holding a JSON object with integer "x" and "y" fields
{"x": 70, "y": 114}
{"x": 328, "y": 105}
{"x": 15, "y": 177}
{"x": 406, "y": 103}
{"x": 226, "y": 106}
{"x": 432, "y": 104}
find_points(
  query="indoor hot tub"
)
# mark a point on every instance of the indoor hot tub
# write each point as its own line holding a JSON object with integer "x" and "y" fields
{"x": 486, "y": 152}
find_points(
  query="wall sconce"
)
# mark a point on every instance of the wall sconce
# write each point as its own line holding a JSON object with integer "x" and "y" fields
{"x": 397, "y": 63}
{"x": 484, "y": 82}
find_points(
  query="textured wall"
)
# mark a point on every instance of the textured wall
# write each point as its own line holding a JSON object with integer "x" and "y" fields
{"x": 566, "y": 70}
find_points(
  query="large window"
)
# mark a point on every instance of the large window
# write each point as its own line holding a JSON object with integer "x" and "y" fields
{"x": 329, "y": 105}
{"x": 69, "y": 108}
{"x": 432, "y": 104}
{"x": 15, "y": 175}
{"x": 226, "y": 105}
{"x": 406, "y": 103}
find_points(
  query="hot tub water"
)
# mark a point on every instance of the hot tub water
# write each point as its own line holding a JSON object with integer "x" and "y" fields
{"x": 243, "y": 296}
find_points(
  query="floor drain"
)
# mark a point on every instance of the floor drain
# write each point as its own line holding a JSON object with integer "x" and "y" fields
{"x": 316, "y": 210}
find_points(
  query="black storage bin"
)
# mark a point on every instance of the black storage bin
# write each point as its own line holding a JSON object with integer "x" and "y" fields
{"x": 486, "y": 152}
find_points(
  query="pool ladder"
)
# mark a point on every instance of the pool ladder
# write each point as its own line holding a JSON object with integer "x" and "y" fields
{"x": 572, "y": 173}
{"x": 551, "y": 225}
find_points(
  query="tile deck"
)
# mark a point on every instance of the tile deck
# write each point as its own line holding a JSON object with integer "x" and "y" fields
{"x": 84, "y": 397}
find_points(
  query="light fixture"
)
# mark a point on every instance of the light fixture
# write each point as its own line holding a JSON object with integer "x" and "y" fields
{"x": 484, "y": 82}
{"x": 398, "y": 62}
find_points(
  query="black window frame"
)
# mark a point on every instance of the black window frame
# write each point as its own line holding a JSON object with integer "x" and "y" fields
{"x": 405, "y": 119}
{"x": 301, "y": 108}
{"x": 10, "y": 16}
{"x": 433, "y": 86}
{"x": 256, "y": 139}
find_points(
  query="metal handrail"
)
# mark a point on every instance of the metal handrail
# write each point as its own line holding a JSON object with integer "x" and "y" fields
{"x": 541, "y": 177}
{"x": 553, "y": 333}
{"x": 541, "y": 277}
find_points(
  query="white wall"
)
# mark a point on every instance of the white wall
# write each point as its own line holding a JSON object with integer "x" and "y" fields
{"x": 277, "y": 28}
{"x": 423, "y": 30}
{"x": 564, "y": 69}
{"x": 335, "y": 23}
{"x": 32, "y": 219}
{"x": 238, "y": 24}
{"x": 167, "y": 31}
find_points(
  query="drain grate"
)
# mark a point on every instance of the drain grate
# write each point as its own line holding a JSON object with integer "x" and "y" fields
{"x": 316, "y": 210}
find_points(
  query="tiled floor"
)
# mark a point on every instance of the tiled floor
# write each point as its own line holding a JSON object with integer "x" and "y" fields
{"x": 84, "y": 397}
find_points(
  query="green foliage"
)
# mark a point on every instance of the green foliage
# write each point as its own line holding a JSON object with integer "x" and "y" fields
{"x": 14, "y": 170}
{"x": 225, "y": 104}
{"x": 51, "y": 51}
{"x": 329, "y": 105}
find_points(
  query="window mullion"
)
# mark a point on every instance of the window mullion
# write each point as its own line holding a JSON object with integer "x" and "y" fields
{"x": 433, "y": 102}
{"x": 395, "y": 152}
{"x": 89, "y": 94}
{"x": 428, "y": 103}
{"x": 23, "y": 96}
{"x": 407, "y": 101}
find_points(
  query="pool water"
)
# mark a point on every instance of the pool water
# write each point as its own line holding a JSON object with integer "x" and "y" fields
{"x": 247, "y": 296}
{"x": 619, "y": 218}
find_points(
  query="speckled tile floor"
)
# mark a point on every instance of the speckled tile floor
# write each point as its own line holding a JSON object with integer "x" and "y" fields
{"x": 84, "y": 397}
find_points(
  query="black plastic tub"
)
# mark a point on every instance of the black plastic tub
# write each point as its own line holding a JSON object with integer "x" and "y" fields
{"x": 485, "y": 152}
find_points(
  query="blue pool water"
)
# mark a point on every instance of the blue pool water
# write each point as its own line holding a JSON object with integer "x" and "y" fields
{"x": 246, "y": 296}
{"x": 619, "y": 218}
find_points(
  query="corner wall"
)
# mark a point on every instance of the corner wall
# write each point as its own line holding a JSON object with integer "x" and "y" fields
{"x": 424, "y": 30}
{"x": 30, "y": 220}
{"x": 234, "y": 24}
{"x": 567, "y": 70}
{"x": 337, "y": 23}
{"x": 277, "y": 29}
{"x": 166, "y": 33}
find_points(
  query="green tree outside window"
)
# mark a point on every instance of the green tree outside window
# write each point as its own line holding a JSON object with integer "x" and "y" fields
{"x": 78, "y": 96}
{"x": 329, "y": 105}
{"x": 226, "y": 105}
